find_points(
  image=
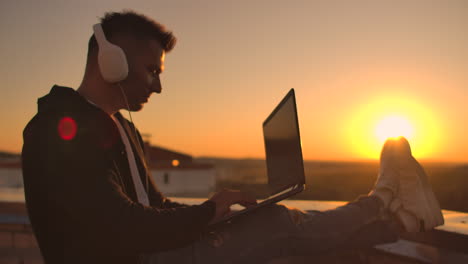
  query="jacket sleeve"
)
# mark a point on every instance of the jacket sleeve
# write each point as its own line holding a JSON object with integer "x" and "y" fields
{"x": 87, "y": 188}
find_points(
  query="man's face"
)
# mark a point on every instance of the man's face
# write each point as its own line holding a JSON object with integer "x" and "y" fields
{"x": 146, "y": 63}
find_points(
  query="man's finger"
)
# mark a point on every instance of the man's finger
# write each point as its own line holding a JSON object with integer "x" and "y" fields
{"x": 248, "y": 203}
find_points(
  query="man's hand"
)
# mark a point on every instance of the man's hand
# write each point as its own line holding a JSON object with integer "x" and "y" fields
{"x": 225, "y": 198}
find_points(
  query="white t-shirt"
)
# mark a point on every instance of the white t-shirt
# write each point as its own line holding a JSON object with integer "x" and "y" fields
{"x": 142, "y": 196}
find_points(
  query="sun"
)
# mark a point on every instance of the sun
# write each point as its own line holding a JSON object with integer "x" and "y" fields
{"x": 392, "y": 116}
{"x": 393, "y": 126}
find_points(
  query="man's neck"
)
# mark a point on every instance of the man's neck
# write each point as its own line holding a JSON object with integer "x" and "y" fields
{"x": 100, "y": 100}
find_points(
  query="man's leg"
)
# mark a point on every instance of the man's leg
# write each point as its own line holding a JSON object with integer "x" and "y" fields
{"x": 272, "y": 232}
{"x": 356, "y": 224}
{"x": 276, "y": 231}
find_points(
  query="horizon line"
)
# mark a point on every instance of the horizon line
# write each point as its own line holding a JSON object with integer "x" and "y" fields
{"x": 425, "y": 160}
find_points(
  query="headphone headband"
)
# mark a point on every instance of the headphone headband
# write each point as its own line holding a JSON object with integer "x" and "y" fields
{"x": 99, "y": 34}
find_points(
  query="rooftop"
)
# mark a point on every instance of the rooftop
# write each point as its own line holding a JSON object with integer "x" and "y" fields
{"x": 444, "y": 244}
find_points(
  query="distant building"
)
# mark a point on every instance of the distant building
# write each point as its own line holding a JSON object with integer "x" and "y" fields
{"x": 175, "y": 173}
{"x": 10, "y": 172}
{"x": 8, "y": 157}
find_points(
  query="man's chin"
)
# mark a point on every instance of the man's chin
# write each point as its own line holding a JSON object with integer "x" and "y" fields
{"x": 135, "y": 107}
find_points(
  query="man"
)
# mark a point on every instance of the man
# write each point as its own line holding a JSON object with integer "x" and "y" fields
{"x": 90, "y": 198}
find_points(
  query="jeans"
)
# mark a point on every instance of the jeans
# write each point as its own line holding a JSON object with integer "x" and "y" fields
{"x": 276, "y": 232}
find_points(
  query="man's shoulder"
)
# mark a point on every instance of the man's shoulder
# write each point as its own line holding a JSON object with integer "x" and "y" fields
{"x": 69, "y": 120}
{"x": 71, "y": 128}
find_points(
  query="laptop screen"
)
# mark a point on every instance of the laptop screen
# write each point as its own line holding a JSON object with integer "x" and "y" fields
{"x": 285, "y": 166}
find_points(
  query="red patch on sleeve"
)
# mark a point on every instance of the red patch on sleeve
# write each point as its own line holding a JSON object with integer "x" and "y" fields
{"x": 67, "y": 128}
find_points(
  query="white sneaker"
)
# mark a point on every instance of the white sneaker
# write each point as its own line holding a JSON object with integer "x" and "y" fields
{"x": 415, "y": 204}
{"x": 386, "y": 186}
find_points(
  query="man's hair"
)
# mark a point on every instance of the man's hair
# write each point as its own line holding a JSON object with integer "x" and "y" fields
{"x": 135, "y": 25}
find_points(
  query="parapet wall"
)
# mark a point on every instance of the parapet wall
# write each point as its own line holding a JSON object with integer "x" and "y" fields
{"x": 17, "y": 241}
{"x": 446, "y": 244}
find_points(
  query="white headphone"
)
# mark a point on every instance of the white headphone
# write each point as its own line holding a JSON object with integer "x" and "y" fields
{"x": 114, "y": 68}
{"x": 111, "y": 58}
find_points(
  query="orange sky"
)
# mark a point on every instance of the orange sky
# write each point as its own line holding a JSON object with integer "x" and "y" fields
{"x": 352, "y": 63}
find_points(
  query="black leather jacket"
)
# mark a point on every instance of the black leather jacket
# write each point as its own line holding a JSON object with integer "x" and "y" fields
{"x": 80, "y": 194}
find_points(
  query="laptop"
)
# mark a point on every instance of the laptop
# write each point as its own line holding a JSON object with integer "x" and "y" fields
{"x": 285, "y": 165}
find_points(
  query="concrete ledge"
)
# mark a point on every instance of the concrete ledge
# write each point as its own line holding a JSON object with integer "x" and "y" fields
{"x": 422, "y": 252}
{"x": 445, "y": 244}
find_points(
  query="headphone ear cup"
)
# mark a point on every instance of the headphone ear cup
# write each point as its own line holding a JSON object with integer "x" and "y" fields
{"x": 112, "y": 63}
{"x": 111, "y": 58}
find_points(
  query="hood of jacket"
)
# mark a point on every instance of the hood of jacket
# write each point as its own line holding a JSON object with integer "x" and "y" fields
{"x": 63, "y": 99}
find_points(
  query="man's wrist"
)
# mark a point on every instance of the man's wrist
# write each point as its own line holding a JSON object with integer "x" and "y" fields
{"x": 212, "y": 208}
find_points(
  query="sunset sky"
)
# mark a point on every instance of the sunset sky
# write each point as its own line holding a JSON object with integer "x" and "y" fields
{"x": 362, "y": 71}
